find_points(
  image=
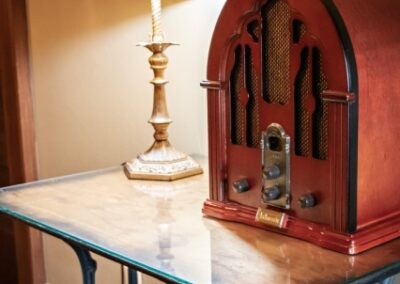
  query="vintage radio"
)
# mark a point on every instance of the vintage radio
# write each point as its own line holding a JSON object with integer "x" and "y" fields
{"x": 304, "y": 119}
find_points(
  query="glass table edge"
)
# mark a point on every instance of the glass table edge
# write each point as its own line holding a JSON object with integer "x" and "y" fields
{"x": 377, "y": 275}
{"x": 45, "y": 181}
{"x": 122, "y": 259}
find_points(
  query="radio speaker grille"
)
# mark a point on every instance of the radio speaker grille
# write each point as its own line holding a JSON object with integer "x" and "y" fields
{"x": 276, "y": 51}
{"x": 245, "y": 100}
{"x": 238, "y": 111}
{"x": 303, "y": 89}
{"x": 320, "y": 123}
{"x": 246, "y": 90}
{"x": 253, "y": 121}
{"x": 310, "y": 83}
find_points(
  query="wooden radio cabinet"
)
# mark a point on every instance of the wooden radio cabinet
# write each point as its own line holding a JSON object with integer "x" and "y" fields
{"x": 304, "y": 119}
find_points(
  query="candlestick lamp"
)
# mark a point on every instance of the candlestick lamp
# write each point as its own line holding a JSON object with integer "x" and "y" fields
{"x": 161, "y": 161}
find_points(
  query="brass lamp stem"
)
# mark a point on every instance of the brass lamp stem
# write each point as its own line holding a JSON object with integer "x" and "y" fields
{"x": 161, "y": 161}
{"x": 159, "y": 118}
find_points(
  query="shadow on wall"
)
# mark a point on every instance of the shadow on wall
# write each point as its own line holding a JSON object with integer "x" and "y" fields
{"x": 95, "y": 15}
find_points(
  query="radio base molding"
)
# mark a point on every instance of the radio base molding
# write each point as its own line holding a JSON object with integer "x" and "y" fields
{"x": 373, "y": 235}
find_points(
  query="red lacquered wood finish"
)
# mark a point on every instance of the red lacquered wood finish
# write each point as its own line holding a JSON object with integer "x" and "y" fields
{"x": 356, "y": 180}
{"x": 374, "y": 29}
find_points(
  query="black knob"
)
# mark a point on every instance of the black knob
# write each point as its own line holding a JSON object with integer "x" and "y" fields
{"x": 307, "y": 201}
{"x": 271, "y": 193}
{"x": 241, "y": 185}
{"x": 272, "y": 172}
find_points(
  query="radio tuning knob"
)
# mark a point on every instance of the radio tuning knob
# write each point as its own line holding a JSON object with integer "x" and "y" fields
{"x": 307, "y": 201}
{"x": 272, "y": 172}
{"x": 241, "y": 185}
{"x": 271, "y": 193}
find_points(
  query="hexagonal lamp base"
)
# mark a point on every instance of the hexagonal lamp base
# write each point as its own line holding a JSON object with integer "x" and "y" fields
{"x": 160, "y": 170}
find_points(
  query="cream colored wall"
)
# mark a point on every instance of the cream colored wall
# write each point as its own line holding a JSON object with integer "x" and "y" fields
{"x": 91, "y": 92}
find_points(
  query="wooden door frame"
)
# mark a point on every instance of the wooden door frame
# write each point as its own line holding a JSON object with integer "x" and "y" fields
{"x": 17, "y": 110}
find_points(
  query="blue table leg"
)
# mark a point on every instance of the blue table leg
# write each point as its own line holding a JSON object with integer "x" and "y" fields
{"x": 390, "y": 280}
{"x": 88, "y": 265}
{"x": 132, "y": 276}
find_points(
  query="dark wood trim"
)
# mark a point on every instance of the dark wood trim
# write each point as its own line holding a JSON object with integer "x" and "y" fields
{"x": 19, "y": 136}
{"x": 29, "y": 253}
{"x": 8, "y": 259}
{"x": 16, "y": 92}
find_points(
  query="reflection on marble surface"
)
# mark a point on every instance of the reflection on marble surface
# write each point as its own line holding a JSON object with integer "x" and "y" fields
{"x": 158, "y": 227}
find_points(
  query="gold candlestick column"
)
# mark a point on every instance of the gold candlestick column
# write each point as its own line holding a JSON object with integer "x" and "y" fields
{"x": 161, "y": 161}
